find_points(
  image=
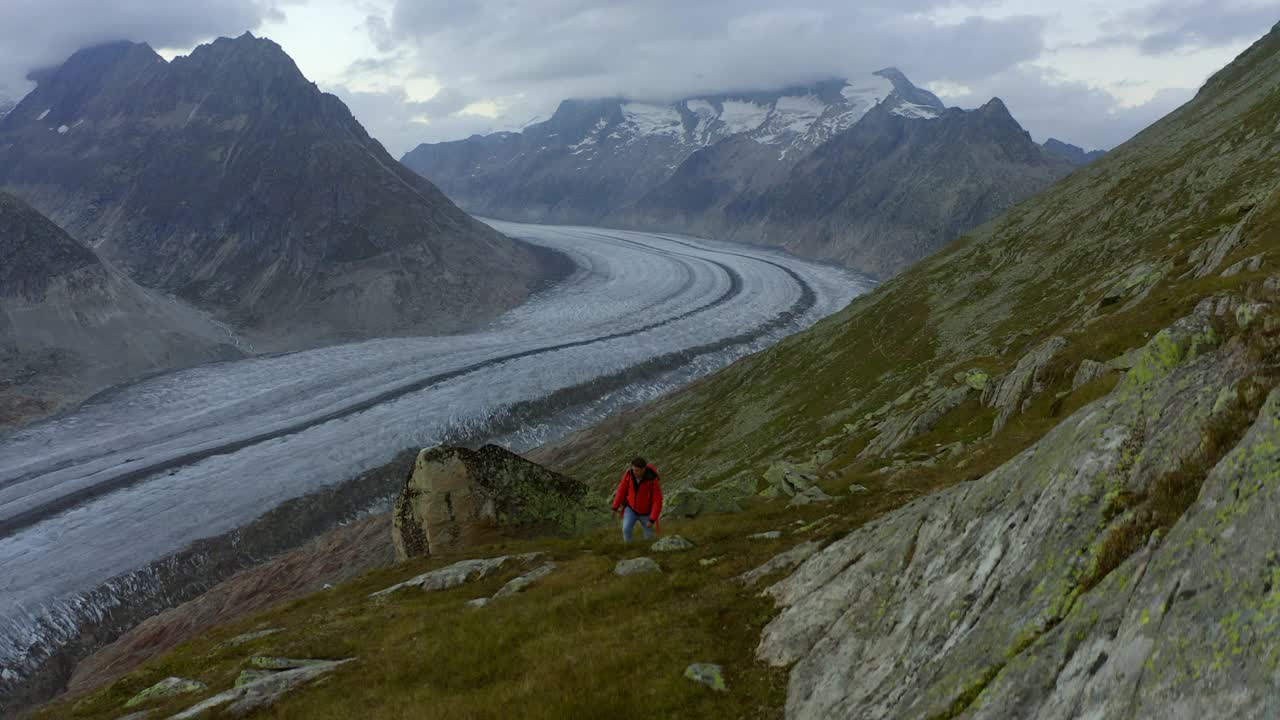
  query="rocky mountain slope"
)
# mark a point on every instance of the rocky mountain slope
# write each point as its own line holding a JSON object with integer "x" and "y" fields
{"x": 894, "y": 187}
{"x": 6, "y": 106}
{"x": 228, "y": 179}
{"x": 1033, "y": 475}
{"x": 71, "y": 325}
{"x": 596, "y": 156}
{"x": 1073, "y": 154}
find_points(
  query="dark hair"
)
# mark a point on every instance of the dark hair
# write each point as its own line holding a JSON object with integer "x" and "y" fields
{"x": 639, "y": 462}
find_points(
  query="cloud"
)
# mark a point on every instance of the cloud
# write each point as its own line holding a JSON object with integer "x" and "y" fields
{"x": 41, "y": 33}
{"x": 1177, "y": 25}
{"x": 1049, "y": 106}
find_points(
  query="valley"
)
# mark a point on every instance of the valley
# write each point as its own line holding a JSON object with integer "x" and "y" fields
{"x": 144, "y": 470}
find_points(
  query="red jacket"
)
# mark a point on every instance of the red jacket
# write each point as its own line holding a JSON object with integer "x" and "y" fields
{"x": 644, "y": 497}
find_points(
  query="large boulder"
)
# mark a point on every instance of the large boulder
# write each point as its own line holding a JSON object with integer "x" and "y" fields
{"x": 458, "y": 497}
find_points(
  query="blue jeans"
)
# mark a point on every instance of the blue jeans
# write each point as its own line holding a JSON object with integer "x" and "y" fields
{"x": 629, "y": 519}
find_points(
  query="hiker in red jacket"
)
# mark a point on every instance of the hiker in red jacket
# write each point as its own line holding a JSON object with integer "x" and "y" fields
{"x": 639, "y": 499}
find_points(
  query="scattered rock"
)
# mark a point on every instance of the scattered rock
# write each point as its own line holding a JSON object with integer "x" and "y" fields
{"x": 167, "y": 687}
{"x": 785, "y": 561}
{"x": 786, "y": 478}
{"x": 855, "y": 488}
{"x": 809, "y": 496}
{"x": 456, "y": 574}
{"x": 1088, "y": 371}
{"x": 636, "y": 566}
{"x": 815, "y": 525}
{"x": 770, "y": 535}
{"x": 902, "y": 424}
{"x": 707, "y": 674}
{"x": 671, "y": 543}
{"x": 251, "y": 636}
{"x": 477, "y": 603}
{"x": 524, "y": 581}
{"x": 708, "y": 562}
{"x": 723, "y": 497}
{"x": 1249, "y": 264}
{"x": 1272, "y": 284}
{"x": 457, "y": 497}
{"x": 1007, "y": 396}
{"x": 263, "y": 692}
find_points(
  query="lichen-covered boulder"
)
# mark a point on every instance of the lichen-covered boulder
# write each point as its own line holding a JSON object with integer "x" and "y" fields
{"x": 456, "y": 497}
{"x": 707, "y": 674}
{"x": 671, "y": 543}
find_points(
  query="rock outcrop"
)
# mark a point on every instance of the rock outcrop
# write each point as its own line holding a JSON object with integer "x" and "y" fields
{"x": 1083, "y": 578}
{"x": 456, "y": 497}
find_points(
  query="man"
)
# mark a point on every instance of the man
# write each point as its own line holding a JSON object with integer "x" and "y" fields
{"x": 639, "y": 499}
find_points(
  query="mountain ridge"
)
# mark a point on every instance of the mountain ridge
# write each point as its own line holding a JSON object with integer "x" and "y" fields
{"x": 227, "y": 178}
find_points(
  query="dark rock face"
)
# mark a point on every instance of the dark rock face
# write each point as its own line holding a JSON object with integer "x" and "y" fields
{"x": 895, "y": 188}
{"x": 594, "y": 157}
{"x": 1073, "y": 154}
{"x": 457, "y": 497}
{"x": 71, "y": 325}
{"x": 227, "y": 178}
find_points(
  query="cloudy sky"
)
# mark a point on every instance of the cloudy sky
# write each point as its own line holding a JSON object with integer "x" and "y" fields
{"x": 1086, "y": 71}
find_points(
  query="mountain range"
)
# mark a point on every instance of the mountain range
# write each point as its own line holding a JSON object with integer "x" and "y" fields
{"x": 230, "y": 181}
{"x": 819, "y": 170}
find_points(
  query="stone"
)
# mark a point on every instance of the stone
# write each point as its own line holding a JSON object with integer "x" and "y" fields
{"x": 263, "y": 692}
{"x": 166, "y": 688}
{"x": 456, "y": 497}
{"x": 1007, "y": 396}
{"x": 266, "y": 662}
{"x": 769, "y": 535}
{"x": 809, "y": 496}
{"x": 636, "y": 566}
{"x": 452, "y": 576}
{"x": 905, "y": 423}
{"x": 524, "y": 581}
{"x": 1088, "y": 371}
{"x": 708, "y": 562}
{"x": 671, "y": 543}
{"x": 707, "y": 674}
{"x": 855, "y": 489}
{"x": 789, "y": 478}
{"x": 251, "y": 636}
{"x": 1249, "y": 264}
{"x": 477, "y": 603}
{"x": 785, "y": 561}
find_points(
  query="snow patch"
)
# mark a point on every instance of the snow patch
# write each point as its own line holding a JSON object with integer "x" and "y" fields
{"x": 739, "y": 116}
{"x": 44, "y": 114}
{"x": 586, "y": 142}
{"x": 653, "y": 119}
{"x": 914, "y": 111}
{"x": 63, "y": 129}
{"x": 866, "y": 90}
{"x": 795, "y": 114}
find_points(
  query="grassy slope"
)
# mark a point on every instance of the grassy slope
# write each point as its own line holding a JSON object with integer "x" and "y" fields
{"x": 584, "y": 643}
